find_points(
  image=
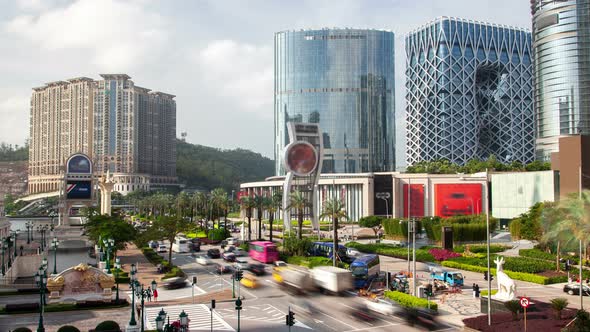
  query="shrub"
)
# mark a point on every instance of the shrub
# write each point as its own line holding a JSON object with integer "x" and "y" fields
{"x": 410, "y": 301}
{"x": 68, "y": 328}
{"x": 515, "y": 264}
{"x": 480, "y": 248}
{"x": 218, "y": 234}
{"x": 422, "y": 255}
{"x": 465, "y": 228}
{"x": 558, "y": 304}
{"x": 174, "y": 272}
{"x": 514, "y": 275}
{"x": 398, "y": 228}
{"x": 16, "y": 307}
{"x": 311, "y": 262}
{"x": 107, "y": 325}
{"x": 22, "y": 329}
{"x": 442, "y": 254}
{"x": 296, "y": 246}
{"x": 514, "y": 307}
{"x": 540, "y": 254}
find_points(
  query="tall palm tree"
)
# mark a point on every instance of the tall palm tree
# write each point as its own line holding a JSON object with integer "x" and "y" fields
{"x": 569, "y": 222}
{"x": 201, "y": 202}
{"x": 272, "y": 205}
{"x": 221, "y": 202}
{"x": 183, "y": 205}
{"x": 334, "y": 209}
{"x": 299, "y": 202}
{"x": 259, "y": 202}
{"x": 248, "y": 204}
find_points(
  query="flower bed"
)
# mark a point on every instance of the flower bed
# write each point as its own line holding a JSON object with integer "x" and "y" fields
{"x": 422, "y": 255}
{"x": 442, "y": 254}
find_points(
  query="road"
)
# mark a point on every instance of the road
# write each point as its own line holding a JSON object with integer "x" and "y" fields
{"x": 265, "y": 307}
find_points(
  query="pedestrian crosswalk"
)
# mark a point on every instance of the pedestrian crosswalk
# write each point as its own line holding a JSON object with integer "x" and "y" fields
{"x": 199, "y": 317}
{"x": 263, "y": 312}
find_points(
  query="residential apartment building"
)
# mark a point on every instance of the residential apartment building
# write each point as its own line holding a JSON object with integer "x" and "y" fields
{"x": 125, "y": 129}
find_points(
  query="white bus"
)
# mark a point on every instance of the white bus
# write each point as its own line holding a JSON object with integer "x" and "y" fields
{"x": 180, "y": 244}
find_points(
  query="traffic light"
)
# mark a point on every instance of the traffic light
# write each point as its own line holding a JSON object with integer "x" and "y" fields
{"x": 239, "y": 275}
{"x": 485, "y": 275}
{"x": 194, "y": 280}
{"x": 290, "y": 318}
{"x": 428, "y": 290}
{"x": 567, "y": 265}
{"x": 213, "y": 304}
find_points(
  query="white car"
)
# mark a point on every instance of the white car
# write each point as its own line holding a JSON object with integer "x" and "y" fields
{"x": 382, "y": 307}
{"x": 353, "y": 252}
{"x": 231, "y": 241}
{"x": 280, "y": 264}
{"x": 162, "y": 248}
{"x": 241, "y": 263}
{"x": 203, "y": 260}
{"x": 239, "y": 252}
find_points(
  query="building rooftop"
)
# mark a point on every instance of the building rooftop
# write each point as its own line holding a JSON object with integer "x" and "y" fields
{"x": 115, "y": 76}
{"x": 335, "y": 29}
{"x": 463, "y": 20}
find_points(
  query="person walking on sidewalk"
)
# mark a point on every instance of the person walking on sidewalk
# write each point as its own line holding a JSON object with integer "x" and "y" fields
{"x": 149, "y": 294}
{"x": 155, "y": 295}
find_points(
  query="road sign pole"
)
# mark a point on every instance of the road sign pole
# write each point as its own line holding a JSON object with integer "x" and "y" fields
{"x": 524, "y": 319}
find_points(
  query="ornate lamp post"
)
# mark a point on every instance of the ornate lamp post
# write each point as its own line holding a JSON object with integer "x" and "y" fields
{"x": 183, "y": 317}
{"x": 41, "y": 279}
{"x": 117, "y": 269}
{"x": 160, "y": 321}
{"x": 142, "y": 292}
{"x": 8, "y": 244}
{"x": 109, "y": 245}
{"x": 15, "y": 236}
{"x": 3, "y": 248}
{"x": 52, "y": 215}
{"x": 29, "y": 226}
{"x": 54, "y": 245}
{"x": 132, "y": 321}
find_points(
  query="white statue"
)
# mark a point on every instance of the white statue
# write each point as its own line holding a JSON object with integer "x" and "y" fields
{"x": 506, "y": 286}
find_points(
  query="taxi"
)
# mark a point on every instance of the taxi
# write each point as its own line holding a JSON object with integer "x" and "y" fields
{"x": 249, "y": 280}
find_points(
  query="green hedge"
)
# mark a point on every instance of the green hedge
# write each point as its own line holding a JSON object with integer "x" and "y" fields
{"x": 410, "y": 301}
{"x": 516, "y": 264}
{"x": 174, "y": 272}
{"x": 480, "y": 248}
{"x": 218, "y": 234}
{"x": 311, "y": 262}
{"x": 422, "y": 255}
{"x": 514, "y": 275}
{"x": 540, "y": 254}
{"x": 465, "y": 228}
{"x": 398, "y": 228}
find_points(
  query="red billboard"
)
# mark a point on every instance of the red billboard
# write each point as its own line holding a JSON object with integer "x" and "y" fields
{"x": 416, "y": 200}
{"x": 452, "y": 199}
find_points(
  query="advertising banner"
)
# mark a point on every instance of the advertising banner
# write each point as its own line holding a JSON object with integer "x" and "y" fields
{"x": 79, "y": 190}
{"x": 79, "y": 164}
{"x": 416, "y": 200}
{"x": 452, "y": 199}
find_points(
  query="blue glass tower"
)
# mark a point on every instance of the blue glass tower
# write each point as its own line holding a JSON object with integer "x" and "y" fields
{"x": 342, "y": 79}
{"x": 469, "y": 92}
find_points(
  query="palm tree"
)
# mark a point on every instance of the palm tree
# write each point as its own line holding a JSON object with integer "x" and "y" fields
{"x": 568, "y": 223}
{"x": 221, "y": 201}
{"x": 558, "y": 304}
{"x": 183, "y": 204}
{"x": 259, "y": 203}
{"x": 272, "y": 205}
{"x": 299, "y": 202}
{"x": 201, "y": 202}
{"x": 334, "y": 209}
{"x": 248, "y": 204}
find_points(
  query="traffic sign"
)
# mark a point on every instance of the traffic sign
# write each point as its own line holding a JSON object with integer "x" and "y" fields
{"x": 524, "y": 302}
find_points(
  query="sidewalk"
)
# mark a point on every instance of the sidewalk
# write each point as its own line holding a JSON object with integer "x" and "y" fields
{"x": 146, "y": 271}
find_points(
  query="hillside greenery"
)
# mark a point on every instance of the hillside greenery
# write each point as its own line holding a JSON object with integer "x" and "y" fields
{"x": 9, "y": 152}
{"x": 443, "y": 166}
{"x": 207, "y": 167}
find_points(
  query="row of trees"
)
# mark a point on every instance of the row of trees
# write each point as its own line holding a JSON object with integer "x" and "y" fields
{"x": 443, "y": 166}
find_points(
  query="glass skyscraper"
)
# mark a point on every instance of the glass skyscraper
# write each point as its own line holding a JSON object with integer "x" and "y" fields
{"x": 342, "y": 79}
{"x": 561, "y": 33}
{"x": 469, "y": 92}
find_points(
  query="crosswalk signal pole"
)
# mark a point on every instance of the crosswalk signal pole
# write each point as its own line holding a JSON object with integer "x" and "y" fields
{"x": 212, "y": 307}
{"x": 238, "y": 308}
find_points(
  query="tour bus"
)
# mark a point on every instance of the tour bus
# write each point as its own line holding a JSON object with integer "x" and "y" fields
{"x": 364, "y": 270}
{"x": 324, "y": 249}
{"x": 264, "y": 251}
{"x": 180, "y": 244}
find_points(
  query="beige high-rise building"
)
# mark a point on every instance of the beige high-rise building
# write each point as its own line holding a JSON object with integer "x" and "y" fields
{"x": 125, "y": 129}
{"x": 61, "y": 124}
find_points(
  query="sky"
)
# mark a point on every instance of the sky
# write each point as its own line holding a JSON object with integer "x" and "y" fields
{"x": 216, "y": 56}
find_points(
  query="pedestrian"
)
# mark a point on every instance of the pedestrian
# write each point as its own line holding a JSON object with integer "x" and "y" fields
{"x": 138, "y": 308}
{"x": 477, "y": 291}
{"x": 473, "y": 290}
{"x": 149, "y": 295}
{"x": 155, "y": 295}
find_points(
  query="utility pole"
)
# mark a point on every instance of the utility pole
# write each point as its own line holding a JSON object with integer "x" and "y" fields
{"x": 580, "y": 260}
{"x": 414, "y": 254}
{"x": 409, "y": 217}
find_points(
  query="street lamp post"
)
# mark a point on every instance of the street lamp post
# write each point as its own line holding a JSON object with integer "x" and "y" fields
{"x": 41, "y": 279}
{"x": 52, "y": 215}
{"x": 132, "y": 321}
{"x": 183, "y": 317}
{"x": 8, "y": 251}
{"x": 143, "y": 294}
{"x": 109, "y": 245}
{"x": 54, "y": 245}
{"x": 29, "y": 227}
{"x": 117, "y": 269}
{"x": 15, "y": 236}
{"x": 3, "y": 248}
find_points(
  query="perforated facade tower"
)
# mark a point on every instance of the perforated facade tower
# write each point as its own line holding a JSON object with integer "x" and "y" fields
{"x": 469, "y": 92}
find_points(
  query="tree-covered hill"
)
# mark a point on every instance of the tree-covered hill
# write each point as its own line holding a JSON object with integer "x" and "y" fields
{"x": 8, "y": 152}
{"x": 202, "y": 166}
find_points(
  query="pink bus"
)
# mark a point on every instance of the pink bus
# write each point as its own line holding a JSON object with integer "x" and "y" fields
{"x": 264, "y": 251}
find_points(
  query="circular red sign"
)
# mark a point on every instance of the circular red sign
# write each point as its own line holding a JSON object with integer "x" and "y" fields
{"x": 301, "y": 158}
{"x": 524, "y": 302}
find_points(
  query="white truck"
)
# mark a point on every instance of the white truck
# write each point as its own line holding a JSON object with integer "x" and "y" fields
{"x": 331, "y": 279}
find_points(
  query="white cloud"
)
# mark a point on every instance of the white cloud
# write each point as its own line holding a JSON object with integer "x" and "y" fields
{"x": 14, "y": 112}
{"x": 120, "y": 34}
{"x": 240, "y": 71}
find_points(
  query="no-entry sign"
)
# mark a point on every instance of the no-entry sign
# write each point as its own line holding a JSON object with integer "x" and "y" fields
{"x": 524, "y": 302}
